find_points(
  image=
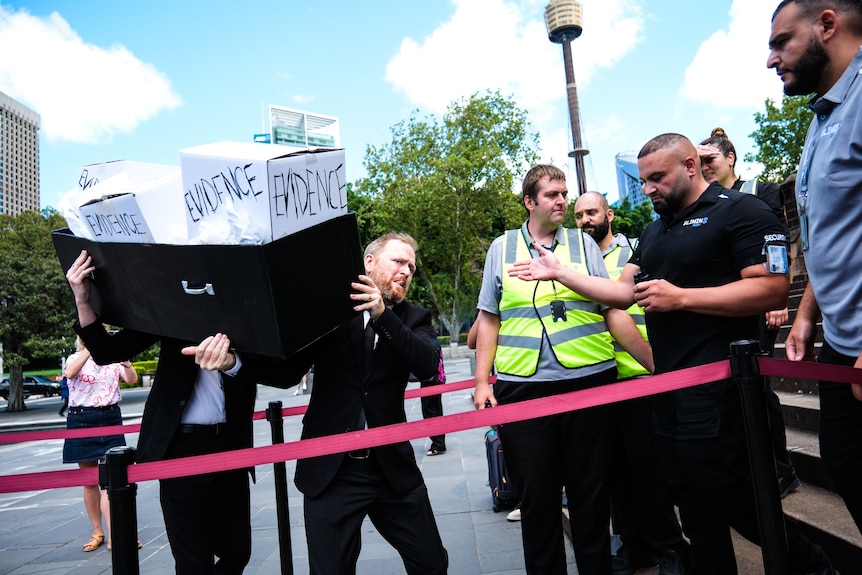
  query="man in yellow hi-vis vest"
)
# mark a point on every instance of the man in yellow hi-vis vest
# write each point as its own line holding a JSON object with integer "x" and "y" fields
{"x": 641, "y": 505}
{"x": 546, "y": 339}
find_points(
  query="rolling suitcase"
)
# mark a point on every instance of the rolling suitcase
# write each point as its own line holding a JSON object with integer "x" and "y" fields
{"x": 503, "y": 492}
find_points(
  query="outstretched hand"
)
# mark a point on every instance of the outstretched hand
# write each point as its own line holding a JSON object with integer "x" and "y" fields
{"x": 213, "y": 353}
{"x": 545, "y": 267}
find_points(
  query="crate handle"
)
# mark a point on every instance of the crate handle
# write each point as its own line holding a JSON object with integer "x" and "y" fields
{"x": 207, "y": 289}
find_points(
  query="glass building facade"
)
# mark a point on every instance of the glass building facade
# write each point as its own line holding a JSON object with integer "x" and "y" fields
{"x": 628, "y": 181}
{"x": 291, "y": 127}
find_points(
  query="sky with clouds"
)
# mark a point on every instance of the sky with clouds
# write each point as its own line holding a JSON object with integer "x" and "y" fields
{"x": 112, "y": 80}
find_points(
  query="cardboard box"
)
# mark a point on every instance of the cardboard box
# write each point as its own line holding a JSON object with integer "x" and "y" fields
{"x": 147, "y": 213}
{"x": 272, "y": 299}
{"x": 137, "y": 172}
{"x": 262, "y": 188}
{"x": 123, "y": 222}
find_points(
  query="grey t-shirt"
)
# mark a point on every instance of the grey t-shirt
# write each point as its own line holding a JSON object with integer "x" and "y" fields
{"x": 549, "y": 369}
{"x": 828, "y": 189}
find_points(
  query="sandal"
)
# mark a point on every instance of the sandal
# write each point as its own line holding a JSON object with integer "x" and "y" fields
{"x": 140, "y": 545}
{"x": 433, "y": 452}
{"x": 96, "y": 540}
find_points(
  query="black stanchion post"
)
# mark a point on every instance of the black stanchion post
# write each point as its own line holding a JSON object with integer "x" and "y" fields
{"x": 124, "y": 513}
{"x": 276, "y": 424}
{"x": 752, "y": 392}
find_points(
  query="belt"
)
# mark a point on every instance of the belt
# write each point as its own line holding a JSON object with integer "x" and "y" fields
{"x": 359, "y": 453}
{"x": 94, "y": 408}
{"x": 214, "y": 429}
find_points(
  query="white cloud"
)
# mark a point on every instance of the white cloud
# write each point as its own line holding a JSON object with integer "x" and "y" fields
{"x": 729, "y": 69}
{"x": 611, "y": 130}
{"x": 503, "y": 45}
{"x": 302, "y": 99}
{"x": 83, "y": 92}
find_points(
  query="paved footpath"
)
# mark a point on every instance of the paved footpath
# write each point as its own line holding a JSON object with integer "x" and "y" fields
{"x": 43, "y": 531}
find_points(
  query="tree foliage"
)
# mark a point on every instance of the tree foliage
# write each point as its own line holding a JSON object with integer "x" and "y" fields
{"x": 632, "y": 220}
{"x": 780, "y": 135}
{"x": 35, "y": 305}
{"x": 449, "y": 183}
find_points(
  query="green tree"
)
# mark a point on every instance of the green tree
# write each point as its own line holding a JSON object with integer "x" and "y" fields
{"x": 632, "y": 220}
{"x": 35, "y": 305}
{"x": 449, "y": 183}
{"x": 780, "y": 135}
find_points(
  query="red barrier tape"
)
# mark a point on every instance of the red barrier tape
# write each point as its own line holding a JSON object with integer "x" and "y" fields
{"x": 768, "y": 366}
{"x": 406, "y": 431}
{"x": 385, "y": 435}
{"x": 809, "y": 370}
{"x": 22, "y": 436}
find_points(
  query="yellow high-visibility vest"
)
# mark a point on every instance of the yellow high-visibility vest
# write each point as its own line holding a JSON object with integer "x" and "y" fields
{"x": 525, "y": 314}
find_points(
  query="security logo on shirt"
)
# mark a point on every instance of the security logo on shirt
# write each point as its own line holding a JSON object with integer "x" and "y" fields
{"x": 696, "y": 222}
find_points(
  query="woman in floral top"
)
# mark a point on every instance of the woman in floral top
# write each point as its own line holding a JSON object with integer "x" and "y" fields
{"x": 94, "y": 397}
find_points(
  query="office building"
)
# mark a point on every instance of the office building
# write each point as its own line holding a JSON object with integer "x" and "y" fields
{"x": 299, "y": 129}
{"x": 628, "y": 180}
{"x": 19, "y": 157}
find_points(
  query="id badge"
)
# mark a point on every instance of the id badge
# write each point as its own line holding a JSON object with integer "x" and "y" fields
{"x": 558, "y": 310}
{"x": 776, "y": 259}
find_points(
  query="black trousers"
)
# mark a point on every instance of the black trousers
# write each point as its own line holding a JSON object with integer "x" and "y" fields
{"x": 641, "y": 503}
{"x": 841, "y": 435}
{"x": 333, "y": 522}
{"x": 432, "y": 406}
{"x": 711, "y": 482}
{"x": 207, "y": 517}
{"x": 544, "y": 455}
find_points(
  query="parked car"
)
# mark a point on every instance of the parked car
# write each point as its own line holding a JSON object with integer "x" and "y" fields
{"x": 33, "y": 385}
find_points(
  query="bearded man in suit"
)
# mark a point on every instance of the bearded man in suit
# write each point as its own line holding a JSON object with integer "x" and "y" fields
{"x": 361, "y": 371}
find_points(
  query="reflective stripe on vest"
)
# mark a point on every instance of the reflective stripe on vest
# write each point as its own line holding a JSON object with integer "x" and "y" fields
{"x": 627, "y": 366}
{"x": 749, "y": 187}
{"x": 525, "y": 314}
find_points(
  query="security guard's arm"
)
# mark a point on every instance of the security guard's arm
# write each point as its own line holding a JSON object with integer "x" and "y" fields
{"x": 800, "y": 340}
{"x": 615, "y": 293}
{"x": 625, "y": 332}
{"x": 755, "y": 293}
{"x": 486, "y": 349}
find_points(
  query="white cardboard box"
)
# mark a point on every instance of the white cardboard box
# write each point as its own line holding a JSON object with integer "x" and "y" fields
{"x": 266, "y": 191}
{"x": 146, "y": 213}
{"x": 137, "y": 172}
{"x": 157, "y": 187}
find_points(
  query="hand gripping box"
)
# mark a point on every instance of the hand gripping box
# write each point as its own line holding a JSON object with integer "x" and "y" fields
{"x": 271, "y": 299}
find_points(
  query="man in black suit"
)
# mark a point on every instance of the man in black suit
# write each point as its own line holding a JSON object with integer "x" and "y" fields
{"x": 198, "y": 404}
{"x": 354, "y": 389}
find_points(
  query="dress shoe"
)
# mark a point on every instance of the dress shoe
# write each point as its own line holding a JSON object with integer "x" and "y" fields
{"x": 628, "y": 561}
{"x": 787, "y": 484}
{"x": 672, "y": 563}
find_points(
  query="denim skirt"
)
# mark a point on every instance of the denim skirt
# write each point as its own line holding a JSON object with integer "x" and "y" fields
{"x": 83, "y": 449}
